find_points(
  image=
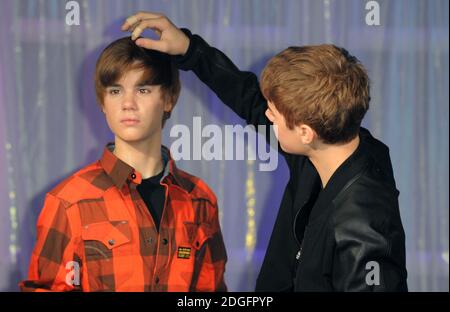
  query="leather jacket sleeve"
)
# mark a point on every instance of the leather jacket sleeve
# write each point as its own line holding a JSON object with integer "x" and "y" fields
{"x": 238, "y": 89}
{"x": 369, "y": 253}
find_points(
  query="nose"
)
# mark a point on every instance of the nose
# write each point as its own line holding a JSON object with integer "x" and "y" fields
{"x": 129, "y": 101}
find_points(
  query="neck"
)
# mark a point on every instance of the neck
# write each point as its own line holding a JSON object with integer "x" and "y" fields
{"x": 328, "y": 158}
{"x": 144, "y": 156}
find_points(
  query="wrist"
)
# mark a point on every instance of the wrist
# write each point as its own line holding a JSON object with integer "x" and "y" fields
{"x": 186, "y": 41}
{"x": 184, "y": 61}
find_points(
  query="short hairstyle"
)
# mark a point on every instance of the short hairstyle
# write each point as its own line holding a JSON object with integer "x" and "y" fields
{"x": 321, "y": 86}
{"x": 124, "y": 55}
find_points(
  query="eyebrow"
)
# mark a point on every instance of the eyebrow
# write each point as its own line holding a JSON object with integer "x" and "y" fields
{"x": 146, "y": 83}
{"x": 139, "y": 84}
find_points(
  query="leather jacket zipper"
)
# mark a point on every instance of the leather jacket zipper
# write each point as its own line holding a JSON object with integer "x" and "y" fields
{"x": 299, "y": 253}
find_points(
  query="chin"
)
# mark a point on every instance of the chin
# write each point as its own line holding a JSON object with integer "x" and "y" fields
{"x": 132, "y": 139}
{"x": 294, "y": 151}
{"x": 134, "y": 135}
{"x": 286, "y": 149}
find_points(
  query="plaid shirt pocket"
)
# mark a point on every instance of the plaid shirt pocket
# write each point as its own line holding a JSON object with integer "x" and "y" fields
{"x": 104, "y": 241}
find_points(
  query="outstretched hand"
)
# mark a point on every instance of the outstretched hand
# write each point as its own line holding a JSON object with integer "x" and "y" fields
{"x": 171, "y": 39}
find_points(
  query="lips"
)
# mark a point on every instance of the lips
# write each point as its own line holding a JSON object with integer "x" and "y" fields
{"x": 129, "y": 121}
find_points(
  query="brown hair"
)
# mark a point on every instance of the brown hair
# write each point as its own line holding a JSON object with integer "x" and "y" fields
{"x": 124, "y": 55}
{"x": 321, "y": 86}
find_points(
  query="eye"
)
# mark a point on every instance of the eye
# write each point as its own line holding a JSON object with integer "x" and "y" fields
{"x": 113, "y": 91}
{"x": 144, "y": 90}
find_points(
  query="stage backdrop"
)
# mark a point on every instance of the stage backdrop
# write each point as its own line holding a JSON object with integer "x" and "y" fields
{"x": 51, "y": 126}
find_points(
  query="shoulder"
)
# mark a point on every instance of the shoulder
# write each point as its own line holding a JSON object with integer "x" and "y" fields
{"x": 370, "y": 199}
{"x": 89, "y": 182}
{"x": 379, "y": 156}
{"x": 196, "y": 187}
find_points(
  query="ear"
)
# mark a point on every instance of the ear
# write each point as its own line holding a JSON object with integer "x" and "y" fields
{"x": 168, "y": 106}
{"x": 305, "y": 133}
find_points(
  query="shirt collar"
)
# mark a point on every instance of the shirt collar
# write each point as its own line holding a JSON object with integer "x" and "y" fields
{"x": 352, "y": 167}
{"x": 120, "y": 172}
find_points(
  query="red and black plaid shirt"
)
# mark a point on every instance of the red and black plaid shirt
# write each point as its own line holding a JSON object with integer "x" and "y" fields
{"x": 95, "y": 233}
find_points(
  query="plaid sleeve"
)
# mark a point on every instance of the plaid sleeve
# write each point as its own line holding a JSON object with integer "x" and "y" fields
{"x": 211, "y": 275}
{"x": 53, "y": 265}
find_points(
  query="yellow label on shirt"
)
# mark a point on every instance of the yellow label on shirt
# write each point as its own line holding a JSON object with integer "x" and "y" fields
{"x": 184, "y": 252}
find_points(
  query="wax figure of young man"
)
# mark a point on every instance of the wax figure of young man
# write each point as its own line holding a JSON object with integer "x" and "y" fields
{"x": 338, "y": 227}
{"x": 132, "y": 221}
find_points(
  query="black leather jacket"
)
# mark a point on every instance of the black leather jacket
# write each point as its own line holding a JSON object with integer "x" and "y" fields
{"x": 345, "y": 237}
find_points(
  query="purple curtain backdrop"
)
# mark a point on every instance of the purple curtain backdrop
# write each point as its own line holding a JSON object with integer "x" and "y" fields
{"x": 50, "y": 125}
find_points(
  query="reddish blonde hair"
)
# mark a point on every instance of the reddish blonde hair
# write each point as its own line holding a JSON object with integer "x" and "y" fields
{"x": 321, "y": 86}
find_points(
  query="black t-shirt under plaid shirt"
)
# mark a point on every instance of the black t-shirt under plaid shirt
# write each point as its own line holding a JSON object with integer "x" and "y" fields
{"x": 153, "y": 194}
